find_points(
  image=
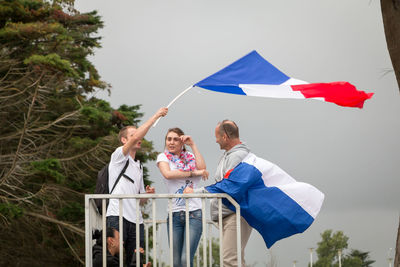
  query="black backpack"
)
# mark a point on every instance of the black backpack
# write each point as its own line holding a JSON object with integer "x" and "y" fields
{"x": 102, "y": 184}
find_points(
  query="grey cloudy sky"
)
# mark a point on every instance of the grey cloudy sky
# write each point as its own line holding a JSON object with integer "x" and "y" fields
{"x": 153, "y": 50}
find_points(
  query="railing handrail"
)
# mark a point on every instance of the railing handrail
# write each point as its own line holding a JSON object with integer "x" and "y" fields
{"x": 192, "y": 195}
{"x": 203, "y": 196}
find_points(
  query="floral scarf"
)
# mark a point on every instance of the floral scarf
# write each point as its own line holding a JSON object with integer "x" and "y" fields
{"x": 184, "y": 162}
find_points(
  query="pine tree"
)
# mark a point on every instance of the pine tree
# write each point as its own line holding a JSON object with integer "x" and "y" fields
{"x": 53, "y": 137}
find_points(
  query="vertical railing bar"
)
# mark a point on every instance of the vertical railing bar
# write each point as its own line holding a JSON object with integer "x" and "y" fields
{"x": 146, "y": 230}
{"x": 197, "y": 255}
{"x": 137, "y": 231}
{"x": 154, "y": 233}
{"x": 221, "y": 262}
{"x": 204, "y": 226}
{"x": 103, "y": 218}
{"x": 171, "y": 236}
{"x": 210, "y": 244}
{"x": 187, "y": 233}
{"x": 121, "y": 233}
{"x": 238, "y": 237}
{"x": 159, "y": 261}
{"x": 88, "y": 232}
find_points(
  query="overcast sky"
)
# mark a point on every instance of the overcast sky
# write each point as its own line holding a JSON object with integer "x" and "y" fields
{"x": 153, "y": 50}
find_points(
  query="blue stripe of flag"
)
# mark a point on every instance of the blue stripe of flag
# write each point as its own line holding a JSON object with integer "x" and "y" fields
{"x": 267, "y": 209}
{"x": 250, "y": 69}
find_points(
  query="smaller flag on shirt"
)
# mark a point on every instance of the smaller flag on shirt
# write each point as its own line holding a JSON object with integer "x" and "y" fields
{"x": 252, "y": 75}
{"x": 270, "y": 200}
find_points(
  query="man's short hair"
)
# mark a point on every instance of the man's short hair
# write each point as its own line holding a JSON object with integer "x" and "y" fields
{"x": 229, "y": 128}
{"x": 123, "y": 132}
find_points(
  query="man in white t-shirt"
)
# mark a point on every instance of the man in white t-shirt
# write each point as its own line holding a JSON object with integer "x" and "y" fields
{"x": 130, "y": 183}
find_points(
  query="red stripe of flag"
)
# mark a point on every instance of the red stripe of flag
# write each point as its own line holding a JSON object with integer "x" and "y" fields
{"x": 341, "y": 93}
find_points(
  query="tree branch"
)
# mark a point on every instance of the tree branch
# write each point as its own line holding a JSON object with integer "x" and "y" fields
{"x": 70, "y": 227}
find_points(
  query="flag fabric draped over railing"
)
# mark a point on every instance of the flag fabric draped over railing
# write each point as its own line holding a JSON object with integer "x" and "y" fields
{"x": 270, "y": 200}
{"x": 252, "y": 75}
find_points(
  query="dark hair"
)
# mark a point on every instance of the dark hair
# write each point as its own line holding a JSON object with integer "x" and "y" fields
{"x": 123, "y": 132}
{"x": 178, "y": 131}
{"x": 98, "y": 235}
{"x": 229, "y": 128}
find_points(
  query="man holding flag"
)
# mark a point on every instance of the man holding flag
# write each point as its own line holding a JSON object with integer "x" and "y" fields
{"x": 227, "y": 136}
{"x": 270, "y": 200}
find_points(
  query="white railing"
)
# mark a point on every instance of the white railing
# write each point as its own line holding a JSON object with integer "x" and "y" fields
{"x": 94, "y": 221}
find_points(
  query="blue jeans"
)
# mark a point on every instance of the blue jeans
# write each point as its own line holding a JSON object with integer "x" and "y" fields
{"x": 129, "y": 238}
{"x": 179, "y": 235}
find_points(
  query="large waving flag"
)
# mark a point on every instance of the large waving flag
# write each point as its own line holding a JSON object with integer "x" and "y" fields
{"x": 270, "y": 200}
{"x": 252, "y": 75}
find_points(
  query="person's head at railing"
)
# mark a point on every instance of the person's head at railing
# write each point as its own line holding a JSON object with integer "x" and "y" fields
{"x": 227, "y": 134}
{"x": 112, "y": 239}
{"x": 173, "y": 141}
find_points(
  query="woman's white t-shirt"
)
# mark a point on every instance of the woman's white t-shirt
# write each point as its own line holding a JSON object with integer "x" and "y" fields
{"x": 177, "y": 185}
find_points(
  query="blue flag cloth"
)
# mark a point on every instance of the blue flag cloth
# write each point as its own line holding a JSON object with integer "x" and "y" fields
{"x": 270, "y": 200}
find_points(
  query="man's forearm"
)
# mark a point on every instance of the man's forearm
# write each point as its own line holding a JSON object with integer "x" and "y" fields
{"x": 143, "y": 129}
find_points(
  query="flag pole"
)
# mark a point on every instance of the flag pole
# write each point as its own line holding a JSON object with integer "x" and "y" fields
{"x": 178, "y": 96}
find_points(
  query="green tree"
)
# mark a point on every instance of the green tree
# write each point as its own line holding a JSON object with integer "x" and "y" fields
{"x": 53, "y": 137}
{"x": 331, "y": 244}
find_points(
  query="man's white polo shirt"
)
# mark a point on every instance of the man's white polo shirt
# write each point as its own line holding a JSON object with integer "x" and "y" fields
{"x": 124, "y": 186}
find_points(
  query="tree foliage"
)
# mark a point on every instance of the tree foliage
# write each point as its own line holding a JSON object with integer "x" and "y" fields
{"x": 328, "y": 252}
{"x": 329, "y": 246}
{"x": 363, "y": 256}
{"x": 53, "y": 137}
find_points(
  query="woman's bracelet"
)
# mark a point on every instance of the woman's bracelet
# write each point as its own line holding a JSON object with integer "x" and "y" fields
{"x": 190, "y": 174}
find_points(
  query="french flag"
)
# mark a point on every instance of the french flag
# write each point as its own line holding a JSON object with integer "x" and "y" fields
{"x": 270, "y": 200}
{"x": 252, "y": 75}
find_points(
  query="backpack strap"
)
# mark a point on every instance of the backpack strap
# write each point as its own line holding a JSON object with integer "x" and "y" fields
{"x": 141, "y": 166}
{"x": 120, "y": 175}
{"x": 141, "y": 172}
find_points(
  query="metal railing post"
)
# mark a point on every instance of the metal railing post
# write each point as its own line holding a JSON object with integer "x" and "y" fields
{"x": 104, "y": 243}
{"x": 221, "y": 243}
{"x": 154, "y": 233}
{"x": 238, "y": 238}
{"x": 171, "y": 238}
{"x": 187, "y": 233}
{"x": 146, "y": 230}
{"x": 198, "y": 255}
{"x": 137, "y": 231}
{"x": 121, "y": 233}
{"x": 204, "y": 228}
{"x": 88, "y": 233}
{"x": 210, "y": 244}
